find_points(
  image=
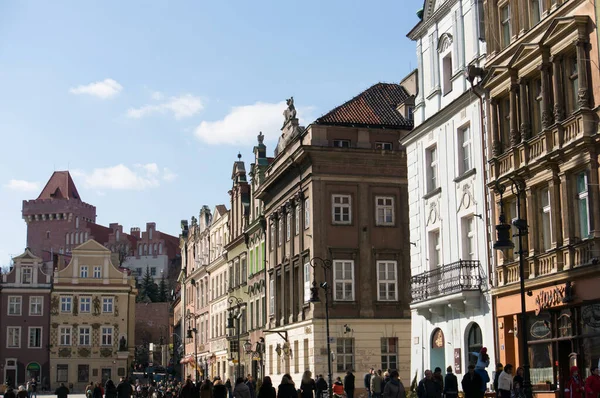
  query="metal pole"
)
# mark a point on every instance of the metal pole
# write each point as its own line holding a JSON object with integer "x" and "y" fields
{"x": 196, "y": 356}
{"x": 239, "y": 365}
{"x": 523, "y": 317}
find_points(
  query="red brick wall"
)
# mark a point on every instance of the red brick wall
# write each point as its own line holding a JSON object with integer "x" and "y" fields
{"x": 152, "y": 320}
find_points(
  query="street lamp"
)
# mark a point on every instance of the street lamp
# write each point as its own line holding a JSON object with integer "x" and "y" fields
{"x": 235, "y": 305}
{"x": 314, "y": 298}
{"x": 193, "y": 332}
{"x": 505, "y": 243}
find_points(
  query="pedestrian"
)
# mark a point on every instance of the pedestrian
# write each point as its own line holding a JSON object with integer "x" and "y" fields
{"x": 349, "y": 384}
{"x": 438, "y": 378}
{"x": 10, "y": 393}
{"x": 428, "y": 387}
{"x": 287, "y": 389}
{"x": 251, "y": 386}
{"x": 376, "y": 382}
{"x": 89, "y": 389}
{"x": 338, "y": 388}
{"x": 483, "y": 361}
{"x": 471, "y": 383}
{"x": 219, "y": 389}
{"x": 206, "y": 389}
{"x": 505, "y": 382}
{"x": 266, "y": 390}
{"x": 22, "y": 392}
{"x": 307, "y": 385}
{"x": 187, "y": 390}
{"x": 241, "y": 390}
{"x": 33, "y": 388}
{"x": 499, "y": 369}
{"x": 450, "y": 384}
{"x": 575, "y": 387}
{"x": 62, "y": 391}
{"x": 592, "y": 383}
{"x": 518, "y": 382}
{"x": 320, "y": 385}
{"x": 124, "y": 389}
{"x": 367, "y": 380}
{"x": 229, "y": 387}
{"x": 394, "y": 388}
{"x": 110, "y": 389}
{"x": 386, "y": 378}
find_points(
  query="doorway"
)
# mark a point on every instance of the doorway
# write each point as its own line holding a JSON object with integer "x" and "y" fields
{"x": 106, "y": 375}
{"x": 565, "y": 348}
{"x": 437, "y": 357}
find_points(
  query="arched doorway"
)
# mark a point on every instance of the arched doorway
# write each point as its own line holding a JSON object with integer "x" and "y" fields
{"x": 437, "y": 357}
{"x": 33, "y": 370}
{"x": 474, "y": 343}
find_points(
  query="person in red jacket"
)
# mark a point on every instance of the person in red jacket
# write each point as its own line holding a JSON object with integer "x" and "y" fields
{"x": 575, "y": 386}
{"x": 592, "y": 384}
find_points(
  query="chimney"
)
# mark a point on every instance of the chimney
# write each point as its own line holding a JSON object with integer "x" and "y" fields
{"x": 135, "y": 232}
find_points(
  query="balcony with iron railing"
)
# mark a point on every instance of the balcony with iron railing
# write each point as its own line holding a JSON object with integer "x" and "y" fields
{"x": 457, "y": 285}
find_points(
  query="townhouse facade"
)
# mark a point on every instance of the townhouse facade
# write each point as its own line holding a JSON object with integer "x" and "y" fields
{"x": 451, "y": 279}
{"x": 92, "y": 319}
{"x": 543, "y": 88}
{"x": 25, "y": 309}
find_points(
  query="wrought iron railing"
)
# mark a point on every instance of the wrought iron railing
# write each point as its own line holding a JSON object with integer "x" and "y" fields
{"x": 447, "y": 279}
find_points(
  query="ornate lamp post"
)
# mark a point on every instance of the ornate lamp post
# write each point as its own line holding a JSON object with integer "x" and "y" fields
{"x": 235, "y": 313}
{"x": 192, "y": 333}
{"x": 505, "y": 243}
{"x": 314, "y": 298}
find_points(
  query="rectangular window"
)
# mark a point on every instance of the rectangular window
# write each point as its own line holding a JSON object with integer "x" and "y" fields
{"x": 244, "y": 271}
{"x": 85, "y": 304}
{"x": 35, "y": 337}
{"x": 62, "y": 373}
{"x": 65, "y": 304}
{"x": 536, "y": 10}
{"x": 35, "y": 305}
{"x": 272, "y": 243}
{"x": 341, "y": 208}
{"x": 387, "y": 282}
{"x": 384, "y": 210}
{"x": 251, "y": 315}
{"x": 546, "y": 219}
{"x": 272, "y": 295}
{"x": 573, "y": 82}
{"x": 468, "y": 233}
{"x": 26, "y": 275}
{"x": 297, "y": 220}
{"x": 583, "y": 206}
{"x": 138, "y": 271}
{"x": 83, "y": 373}
{"x": 107, "y": 336}
{"x": 435, "y": 257}
{"x": 464, "y": 149}
{"x": 306, "y": 282}
{"x": 306, "y": 213}
{"x": 343, "y": 280}
{"x": 83, "y": 271}
{"x": 97, "y": 272}
{"x": 386, "y": 146}
{"x": 280, "y": 232}
{"x": 13, "y": 337}
{"x": 14, "y": 305}
{"x": 505, "y": 26}
{"x": 288, "y": 227}
{"x": 64, "y": 334}
{"x": 389, "y": 353}
{"x": 341, "y": 143}
{"x": 84, "y": 335}
{"x": 447, "y": 71}
{"x": 432, "y": 168}
{"x": 345, "y": 354}
{"x": 107, "y": 304}
{"x": 153, "y": 271}
{"x": 296, "y": 357}
{"x": 305, "y": 351}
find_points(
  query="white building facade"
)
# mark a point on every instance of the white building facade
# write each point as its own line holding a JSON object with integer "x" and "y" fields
{"x": 451, "y": 306}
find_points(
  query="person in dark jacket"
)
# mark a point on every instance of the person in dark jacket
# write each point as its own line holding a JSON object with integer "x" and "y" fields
{"x": 251, "y": 386}
{"x": 229, "y": 387}
{"x": 394, "y": 388}
{"x": 62, "y": 391}
{"x": 450, "y": 384}
{"x": 124, "y": 389}
{"x": 266, "y": 390}
{"x": 286, "y": 388}
{"x": 219, "y": 389}
{"x": 471, "y": 384}
{"x": 367, "y": 381}
{"x": 349, "y": 384}
{"x": 187, "y": 390}
{"x": 437, "y": 376}
{"x": 307, "y": 385}
{"x": 110, "y": 390}
{"x": 321, "y": 386}
{"x": 428, "y": 387}
{"x": 10, "y": 393}
{"x": 97, "y": 391}
{"x": 241, "y": 389}
{"x": 499, "y": 369}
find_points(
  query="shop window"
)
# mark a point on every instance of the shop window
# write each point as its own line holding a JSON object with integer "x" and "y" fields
{"x": 540, "y": 354}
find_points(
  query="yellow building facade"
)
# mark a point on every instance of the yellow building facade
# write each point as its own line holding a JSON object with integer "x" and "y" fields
{"x": 92, "y": 319}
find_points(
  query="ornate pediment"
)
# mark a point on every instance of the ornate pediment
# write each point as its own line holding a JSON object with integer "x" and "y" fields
{"x": 525, "y": 53}
{"x": 565, "y": 27}
{"x": 444, "y": 42}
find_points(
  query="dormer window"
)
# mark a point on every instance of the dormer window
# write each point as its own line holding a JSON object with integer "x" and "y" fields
{"x": 341, "y": 143}
{"x": 26, "y": 275}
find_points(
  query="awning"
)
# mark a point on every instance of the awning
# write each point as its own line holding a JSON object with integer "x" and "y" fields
{"x": 33, "y": 366}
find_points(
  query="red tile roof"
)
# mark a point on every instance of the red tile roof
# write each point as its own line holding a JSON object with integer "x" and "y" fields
{"x": 374, "y": 107}
{"x": 60, "y": 186}
{"x": 221, "y": 209}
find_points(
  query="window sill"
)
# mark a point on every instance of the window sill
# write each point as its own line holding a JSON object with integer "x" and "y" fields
{"x": 446, "y": 93}
{"x": 432, "y": 193}
{"x": 388, "y": 225}
{"x": 435, "y": 92}
{"x": 466, "y": 175}
{"x": 342, "y": 224}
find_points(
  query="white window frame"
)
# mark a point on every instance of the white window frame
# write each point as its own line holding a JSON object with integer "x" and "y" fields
{"x": 66, "y": 304}
{"x": 307, "y": 283}
{"x": 343, "y": 281}
{"x": 383, "y": 209}
{"x": 85, "y": 336}
{"x": 469, "y": 243}
{"x": 344, "y": 357}
{"x": 583, "y": 199}
{"x": 280, "y": 232}
{"x": 341, "y": 203}
{"x": 97, "y": 272}
{"x": 384, "y": 146}
{"x": 432, "y": 158}
{"x": 36, "y": 301}
{"x": 391, "y": 358}
{"x": 15, "y": 303}
{"x": 387, "y": 278}
{"x": 546, "y": 218}
{"x": 85, "y": 307}
{"x": 465, "y": 149}
{"x": 272, "y": 295}
{"x": 435, "y": 249}
{"x": 297, "y": 220}
{"x": 32, "y": 329}
{"x": 106, "y": 339}
{"x": 65, "y": 336}
{"x": 535, "y": 18}
{"x": 29, "y": 272}
{"x": 16, "y": 337}
{"x": 288, "y": 227}
{"x": 108, "y": 305}
{"x": 306, "y": 213}
{"x": 83, "y": 271}
{"x": 505, "y": 24}
{"x": 342, "y": 143}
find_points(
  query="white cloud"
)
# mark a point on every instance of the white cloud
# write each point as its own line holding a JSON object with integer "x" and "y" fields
{"x": 243, "y": 123}
{"x": 183, "y": 106}
{"x": 105, "y": 89}
{"x": 121, "y": 177}
{"x": 22, "y": 186}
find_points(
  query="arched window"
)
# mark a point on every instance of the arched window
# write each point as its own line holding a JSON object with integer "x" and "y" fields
{"x": 139, "y": 250}
{"x": 76, "y": 238}
{"x": 86, "y": 236}
{"x": 76, "y": 222}
{"x": 154, "y": 249}
{"x": 145, "y": 248}
{"x": 72, "y": 238}
{"x": 67, "y": 238}
{"x": 474, "y": 342}
{"x": 81, "y": 237}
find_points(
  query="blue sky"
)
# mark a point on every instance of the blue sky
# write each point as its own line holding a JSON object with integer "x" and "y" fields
{"x": 149, "y": 102}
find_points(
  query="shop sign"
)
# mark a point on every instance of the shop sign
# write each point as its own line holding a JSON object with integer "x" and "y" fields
{"x": 549, "y": 298}
{"x": 457, "y": 361}
{"x": 540, "y": 330}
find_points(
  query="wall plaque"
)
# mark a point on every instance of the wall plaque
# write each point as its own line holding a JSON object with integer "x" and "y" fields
{"x": 457, "y": 361}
